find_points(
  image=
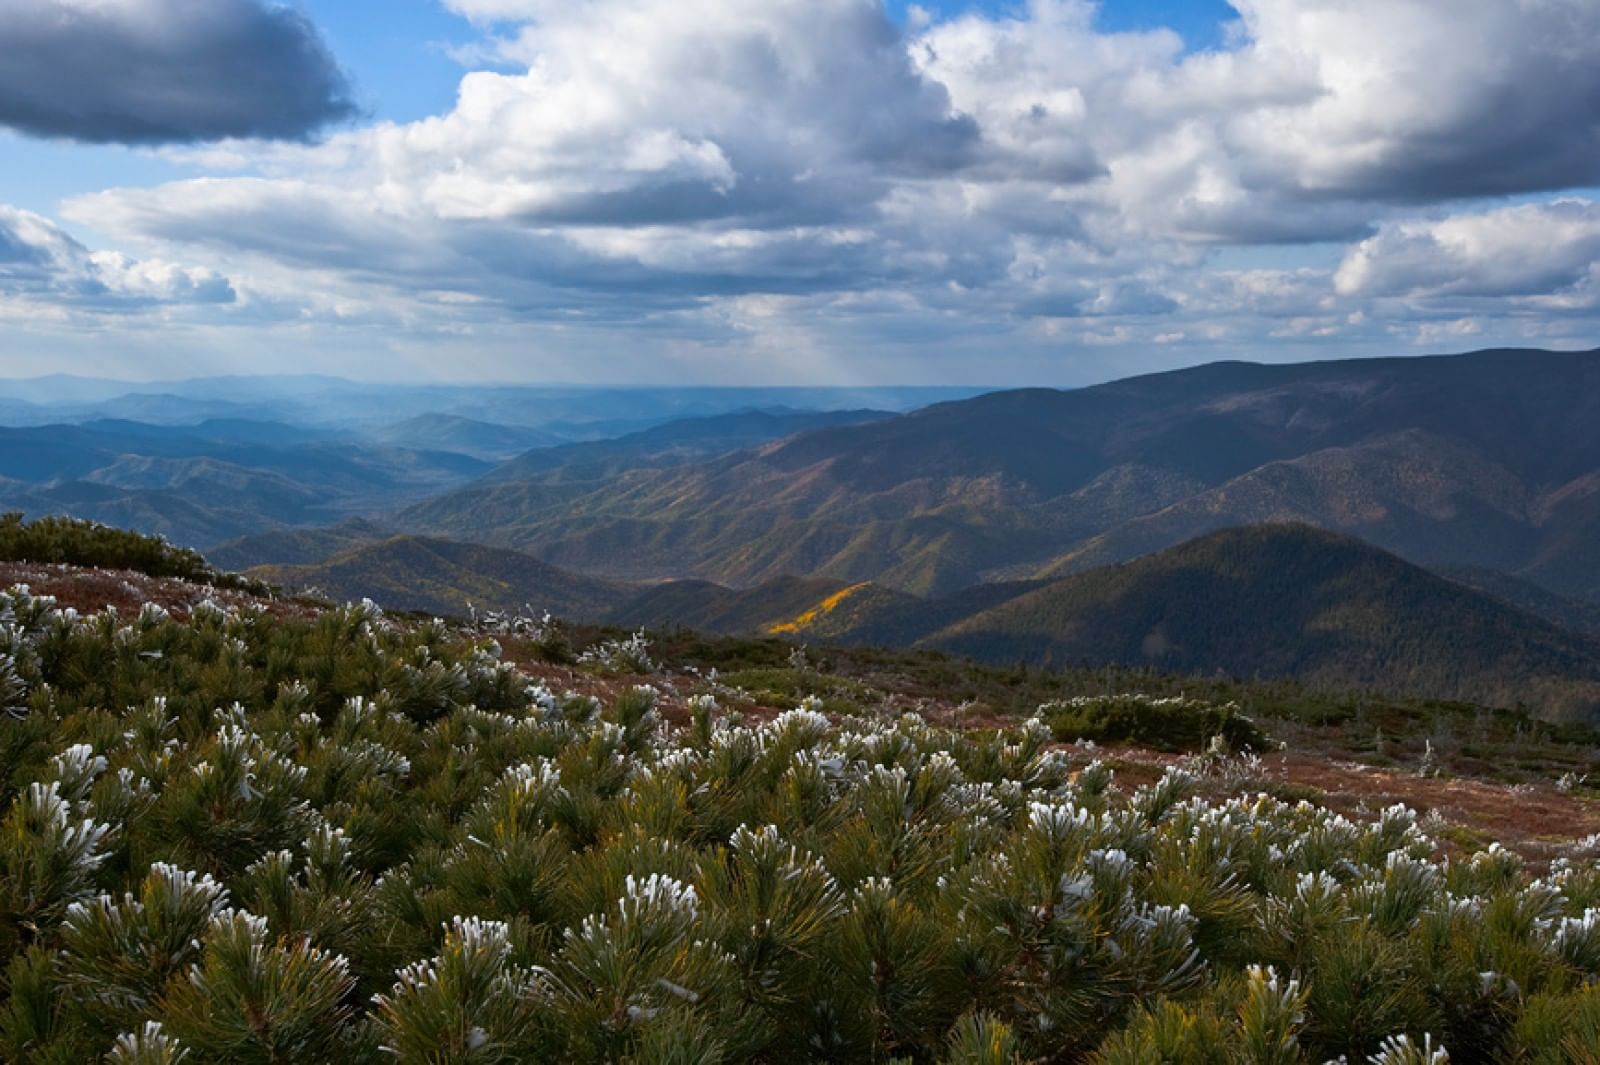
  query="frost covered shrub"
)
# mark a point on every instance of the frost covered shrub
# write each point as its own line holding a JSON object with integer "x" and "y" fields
{"x": 627, "y": 655}
{"x": 544, "y": 634}
{"x": 244, "y": 838}
{"x": 1172, "y": 723}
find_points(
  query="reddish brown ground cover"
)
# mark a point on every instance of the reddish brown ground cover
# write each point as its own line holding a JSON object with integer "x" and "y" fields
{"x": 89, "y": 590}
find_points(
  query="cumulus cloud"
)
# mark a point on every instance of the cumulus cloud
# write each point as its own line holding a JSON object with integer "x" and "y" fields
{"x": 1420, "y": 100}
{"x": 40, "y": 263}
{"x": 710, "y": 169}
{"x": 1323, "y": 111}
{"x": 631, "y": 112}
{"x": 1525, "y": 250}
{"x": 165, "y": 71}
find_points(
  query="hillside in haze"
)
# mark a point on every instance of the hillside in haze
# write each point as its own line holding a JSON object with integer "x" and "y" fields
{"x": 673, "y": 443}
{"x": 465, "y": 436}
{"x": 216, "y": 480}
{"x": 375, "y": 410}
{"x": 244, "y": 482}
{"x": 1032, "y": 525}
{"x": 1488, "y": 460}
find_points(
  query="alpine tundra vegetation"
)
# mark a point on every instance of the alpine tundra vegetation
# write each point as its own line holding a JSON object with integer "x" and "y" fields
{"x": 259, "y": 834}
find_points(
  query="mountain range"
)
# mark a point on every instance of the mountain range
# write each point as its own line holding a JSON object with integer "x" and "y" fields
{"x": 560, "y": 413}
{"x": 215, "y": 480}
{"x": 1275, "y": 600}
{"x": 1279, "y": 600}
{"x": 1427, "y": 526}
{"x": 226, "y": 479}
{"x": 1486, "y": 460}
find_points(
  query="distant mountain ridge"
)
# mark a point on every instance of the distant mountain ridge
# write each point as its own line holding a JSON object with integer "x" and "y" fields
{"x": 1488, "y": 459}
{"x": 216, "y": 480}
{"x": 237, "y": 480}
{"x": 1286, "y": 520}
{"x": 467, "y": 436}
{"x": 332, "y": 403}
{"x": 673, "y": 443}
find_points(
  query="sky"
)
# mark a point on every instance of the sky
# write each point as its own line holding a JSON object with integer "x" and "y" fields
{"x": 790, "y": 191}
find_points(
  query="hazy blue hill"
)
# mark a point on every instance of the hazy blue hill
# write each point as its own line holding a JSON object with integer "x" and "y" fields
{"x": 213, "y": 431}
{"x": 51, "y": 453}
{"x": 213, "y": 483}
{"x": 159, "y": 513}
{"x": 215, "y": 480}
{"x": 164, "y": 408}
{"x": 674, "y": 443}
{"x": 18, "y": 412}
{"x": 467, "y": 436}
{"x": 568, "y": 411}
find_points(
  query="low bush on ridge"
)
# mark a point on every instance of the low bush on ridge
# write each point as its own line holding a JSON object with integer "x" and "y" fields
{"x": 255, "y": 839}
{"x": 1170, "y": 723}
{"x": 77, "y": 542}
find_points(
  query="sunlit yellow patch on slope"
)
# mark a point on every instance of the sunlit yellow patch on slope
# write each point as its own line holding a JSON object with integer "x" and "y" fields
{"x": 809, "y": 618}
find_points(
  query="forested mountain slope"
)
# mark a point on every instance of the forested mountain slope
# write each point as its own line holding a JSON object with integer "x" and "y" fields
{"x": 1276, "y": 600}
{"x": 1488, "y": 459}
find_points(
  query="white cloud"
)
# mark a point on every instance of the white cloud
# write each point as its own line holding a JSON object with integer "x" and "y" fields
{"x": 1324, "y": 112}
{"x": 1526, "y": 250}
{"x": 674, "y": 168}
{"x": 1423, "y": 100}
{"x": 635, "y": 112}
{"x": 41, "y": 264}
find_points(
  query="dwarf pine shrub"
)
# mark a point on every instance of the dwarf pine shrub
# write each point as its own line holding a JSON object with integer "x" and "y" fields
{"x": 77, "y": 542}
{"x": 248, "y": 838}
{"x": 626, "y": 655}
{"x": 1171, "y": 723}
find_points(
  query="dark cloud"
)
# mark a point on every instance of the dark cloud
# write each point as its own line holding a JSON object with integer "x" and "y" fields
{"x": 165, "y": 71}
{"x": 1538, "y": 131}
